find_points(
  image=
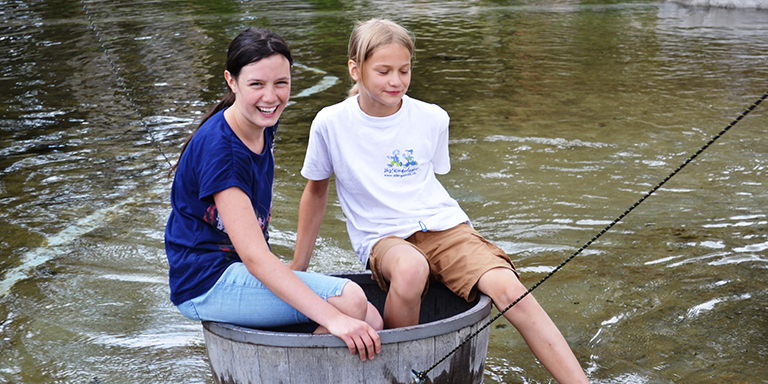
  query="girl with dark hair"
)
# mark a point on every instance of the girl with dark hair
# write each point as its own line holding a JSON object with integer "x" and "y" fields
{"x": 221, "y": 265}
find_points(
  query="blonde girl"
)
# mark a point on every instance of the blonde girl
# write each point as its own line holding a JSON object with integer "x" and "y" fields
{"x": 385, "y": 150}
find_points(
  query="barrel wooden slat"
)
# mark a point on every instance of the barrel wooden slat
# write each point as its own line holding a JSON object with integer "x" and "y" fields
{"x": 415, "y": 355}
{"x": 245, "y": 360}
{"x": 223, "y": 357}
{"x": 345, "y": 367}
{"x": 274, "y": 366}
{"x": 379, "y": 370}
{"x": 481, "y": 344}
{"x": 444, "y": 344}
{"x": 244, "y": 355}
{"x": 309, "y": 366}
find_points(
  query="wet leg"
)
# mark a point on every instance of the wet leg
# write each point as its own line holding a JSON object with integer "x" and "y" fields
{"x": 533, "y": 323}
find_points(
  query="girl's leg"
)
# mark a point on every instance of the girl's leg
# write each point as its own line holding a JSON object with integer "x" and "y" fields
{"x": 407, "y": 271}
{"x": 353, "y": 303}
{"x": 373, "y": 318}
{"x": 239, "y": 298}
{"x": 536, "y": 327}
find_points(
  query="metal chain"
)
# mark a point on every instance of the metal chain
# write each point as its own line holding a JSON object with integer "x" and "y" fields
{"x": 122, "y": 83}
{"x": 420, "y": 376}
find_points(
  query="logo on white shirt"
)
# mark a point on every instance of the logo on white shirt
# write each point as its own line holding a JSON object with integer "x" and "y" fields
{"x": 401, "y": 164}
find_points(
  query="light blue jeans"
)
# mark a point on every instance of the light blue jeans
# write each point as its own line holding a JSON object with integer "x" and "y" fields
{"x": 241, "y": 299}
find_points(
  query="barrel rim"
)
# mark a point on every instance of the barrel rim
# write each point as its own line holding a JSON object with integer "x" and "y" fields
{"x": 474, "y": 315}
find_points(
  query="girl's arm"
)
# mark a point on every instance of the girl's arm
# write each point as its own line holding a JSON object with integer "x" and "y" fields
{"x": 311, "y": 211}
{"x": 241, "y": 224}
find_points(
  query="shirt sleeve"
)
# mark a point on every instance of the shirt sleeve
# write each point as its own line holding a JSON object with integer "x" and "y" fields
{"x": 222, "y": 172}
{"x": 317, "y": 162}
{"x": 442, "y": 159}
{"x": 220, "y": 162}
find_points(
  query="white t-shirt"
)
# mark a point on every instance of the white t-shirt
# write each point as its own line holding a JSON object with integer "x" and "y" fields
{"x": 385, "y": 169}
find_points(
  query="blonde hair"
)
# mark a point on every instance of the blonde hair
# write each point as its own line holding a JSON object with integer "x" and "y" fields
{"x": 371, "y": 35}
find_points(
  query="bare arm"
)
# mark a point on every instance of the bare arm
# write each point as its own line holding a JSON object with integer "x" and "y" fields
{"x": 239, "y": 219}
{"x": 311, "y": 211}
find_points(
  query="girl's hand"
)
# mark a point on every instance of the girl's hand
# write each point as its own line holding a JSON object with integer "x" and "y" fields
{"x": 360, "y": 337}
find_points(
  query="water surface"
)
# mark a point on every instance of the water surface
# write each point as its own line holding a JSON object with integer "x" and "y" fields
{"x": 563, "y": 114}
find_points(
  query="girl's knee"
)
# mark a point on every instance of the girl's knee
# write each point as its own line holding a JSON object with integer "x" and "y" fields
{"x": 407, "y": 272}
{"x": 353, "y": 293}
{"x": 352, "y": 301}
{"x": 414, "y": 270}
{"x": 373, "y": 318}
{"x": 403, "y": 260}
{"x": 410, "y": 283}
{"x": 416, "y": 275}
{"x": 502, "y": 286}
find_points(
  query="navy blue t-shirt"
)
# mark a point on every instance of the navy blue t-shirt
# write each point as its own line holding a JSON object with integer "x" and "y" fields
{"x": 196, "y": 243}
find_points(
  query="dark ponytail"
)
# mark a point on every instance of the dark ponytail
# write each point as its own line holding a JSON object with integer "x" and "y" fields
{"x": 248, "y": 47}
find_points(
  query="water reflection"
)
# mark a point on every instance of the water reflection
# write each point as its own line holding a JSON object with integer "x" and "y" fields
{"x": 563, "y": 115}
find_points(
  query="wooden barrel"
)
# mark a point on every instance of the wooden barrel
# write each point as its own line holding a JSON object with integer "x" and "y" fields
{"x": 245, "y": 355}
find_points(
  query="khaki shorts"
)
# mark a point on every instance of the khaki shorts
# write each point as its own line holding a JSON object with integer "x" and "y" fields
{"x": 457, "y": 257}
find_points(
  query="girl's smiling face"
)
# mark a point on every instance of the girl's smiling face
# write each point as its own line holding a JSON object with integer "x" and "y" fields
{"x": 383, "y": 79}
{"x": 262, "y": 90}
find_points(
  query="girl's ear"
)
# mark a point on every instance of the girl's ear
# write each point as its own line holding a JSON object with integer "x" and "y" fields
{"x": 354, "y": 71}
{"x": 231, "y": 81}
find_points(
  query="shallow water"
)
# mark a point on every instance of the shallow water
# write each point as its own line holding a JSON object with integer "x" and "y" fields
{"x": 563, "y": 113}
